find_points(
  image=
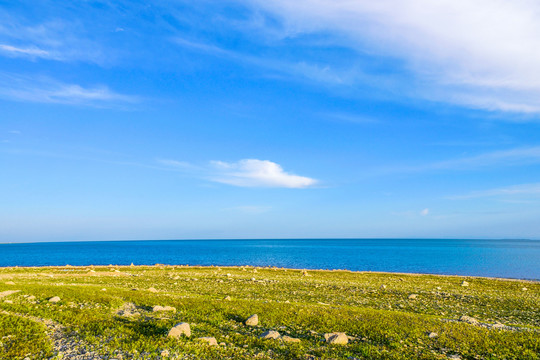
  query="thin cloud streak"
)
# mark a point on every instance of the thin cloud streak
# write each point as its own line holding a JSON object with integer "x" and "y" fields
{"x": 510, "y": 191}
{"x": 47, "y": 90}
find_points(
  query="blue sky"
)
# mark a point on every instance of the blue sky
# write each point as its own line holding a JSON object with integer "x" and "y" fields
{"x": 263, "y": 119}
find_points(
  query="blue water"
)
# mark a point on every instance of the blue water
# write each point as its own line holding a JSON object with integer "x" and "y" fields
{"x": 495, "y": 258}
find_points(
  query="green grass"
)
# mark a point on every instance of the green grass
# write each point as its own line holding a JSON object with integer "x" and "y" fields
{"x": 385, "y": 322}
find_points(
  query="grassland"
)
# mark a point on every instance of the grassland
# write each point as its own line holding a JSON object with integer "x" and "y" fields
{"x": 107, "y": 313}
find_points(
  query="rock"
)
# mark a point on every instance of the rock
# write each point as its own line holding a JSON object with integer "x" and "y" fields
{"x": 524, "y": 289}
{"x": 128, "y": 309}
{"x": 305, "y": 273}
{"x": 498, "y": 326}
{"x": 287, "y": 338}
{"x": 454, "y": 357}
{"x": 468, "y": 320}
{"x": 227, "y": 298}
{"x": 433, "y": 335}
{"x": 337, "y": 338}
{"x": 164, "y": 353}
{"x": 179, "y": 330}
{"x": 54, "y": 299}
{"x": 270, "y": 334}
{"x": 253, "y": 320}
{"x": 222, "y": 344}
{"x": 153, "y": 290}
{"x": 103, "y": 289}
{"x": 163, "y": 308}
{"x": 209, "y": 340}
{"x": 8, "y": 301}
{"x": 10, "y": 283}
{"x": 464, "y": 283}
{"x": 412, "y": 296}
{"x": 31, "y": 298}
{"x": 383, "y": 287}
{"x": 8, "y": 292}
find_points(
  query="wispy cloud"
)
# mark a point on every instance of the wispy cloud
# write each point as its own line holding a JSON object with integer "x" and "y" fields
{"x": 278, "y": 68}
{"x": 29, "y": 51}
{"x": 510, "y": 191}
{"x": 47, "y": 90}
{"x": 243, "y": 173}
{"x": 257, "y": 173}
{"x": 456, "y": 53}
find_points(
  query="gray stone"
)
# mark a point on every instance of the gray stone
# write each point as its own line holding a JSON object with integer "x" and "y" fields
{"x": 412, "y": 296}
{"x": 153, "y": 290}
{"x": 227, "y": 298}
{"x": 253, "y": 320}
{"x": 270, "y": 334}
{"x": 179, "y": 330}
{"x": 8, "y": 292}
{"x": 464, "y": 283}
{"x": 433, "y": 335}
{"x": 54, "y": 299}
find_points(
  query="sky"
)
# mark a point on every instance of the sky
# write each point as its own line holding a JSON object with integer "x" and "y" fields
{"x": 269, "y": 119}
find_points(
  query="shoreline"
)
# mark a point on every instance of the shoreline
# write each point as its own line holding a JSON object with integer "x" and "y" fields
{"x": 236, "y": 267}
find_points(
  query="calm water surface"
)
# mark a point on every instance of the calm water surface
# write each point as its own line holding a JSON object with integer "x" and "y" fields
{"x": 497, "y": 258}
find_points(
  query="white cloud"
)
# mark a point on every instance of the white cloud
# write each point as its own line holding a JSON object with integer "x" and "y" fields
{"x": 481, "y": 53}
{"x": 47, "y": 90}
{"x": 424, "y": 212}
{"x": 257, "y": 173}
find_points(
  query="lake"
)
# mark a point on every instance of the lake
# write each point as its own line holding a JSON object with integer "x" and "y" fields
{"x": 494, "y": 258}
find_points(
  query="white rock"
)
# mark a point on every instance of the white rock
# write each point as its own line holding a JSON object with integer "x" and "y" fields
{"x": 413, "y": 296}
{"x": 433, "y": 335}
{"x": 464, "y": 283}
{"x": 153, "y": 290}
{"x": 337, "y": 338}
{"x": 468, "y": 320}
{"x": 253, "y": 320}
{"x": 179, "y": 330}
{"x": 54, "y": 299}
{"x": 227, "y": 298}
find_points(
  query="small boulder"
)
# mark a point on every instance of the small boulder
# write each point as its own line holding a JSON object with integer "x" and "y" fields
{"x": 412, "y": 296}
{"x": 383, "y": 287}
{"x": 209, "y": 340}
{"x": 253, "y": 320}
{"x": 524, "y": 289}
{"x": 468, "y": 320}
{"x": 179, "y": 330}
{"x": 158, "y": 308}
{"x": 153, "y": 290}
{"x": 270, "y": 334}
{"x": 337, "y": 338}
{"x": 10, "y": 283}
{"x": 464, "y": 283}
{"x": 54, "y": 299}
{"x": 287, "y": 338}
{"x": 227, "y": 298}
{"x": 433, "y": 335}
{"x": 305, "y": 273}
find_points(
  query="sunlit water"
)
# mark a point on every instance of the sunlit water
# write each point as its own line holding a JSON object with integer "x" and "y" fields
{"x": 495, "y": 258}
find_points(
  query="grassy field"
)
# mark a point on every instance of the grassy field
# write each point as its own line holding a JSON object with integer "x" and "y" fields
{"x": 107, "y": 312}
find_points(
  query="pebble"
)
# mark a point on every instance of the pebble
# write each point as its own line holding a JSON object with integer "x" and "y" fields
{"x": 270, "y": 334}
{"x": 433, "y": 335}
{"x": 54, "y": 299}
{"x": 337, "y": 338}
{"x": 163, "y": 308}
{"x": 412, "y": 296}
{"x": 468, "y": 320}
{"x": 209, "y": 340}
{"x": 287, "y": 338}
